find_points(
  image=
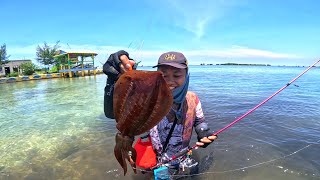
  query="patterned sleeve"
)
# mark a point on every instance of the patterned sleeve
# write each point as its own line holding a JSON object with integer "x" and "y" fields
{"x": 199, "y": 113}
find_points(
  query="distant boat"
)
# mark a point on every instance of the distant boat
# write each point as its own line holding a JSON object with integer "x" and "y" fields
{"x": 25, "y": 78}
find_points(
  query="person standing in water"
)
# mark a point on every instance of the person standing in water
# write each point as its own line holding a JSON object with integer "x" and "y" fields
{"x": 173, "y": 133}
{"x": 185, "y": 115}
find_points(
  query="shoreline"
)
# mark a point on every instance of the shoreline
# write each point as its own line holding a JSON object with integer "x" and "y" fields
{"x": 38, "y": 77}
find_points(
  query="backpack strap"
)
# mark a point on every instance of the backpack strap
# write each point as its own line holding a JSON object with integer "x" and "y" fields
{"x": 169, "y": 135}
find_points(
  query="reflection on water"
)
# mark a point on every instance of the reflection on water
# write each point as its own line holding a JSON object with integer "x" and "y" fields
{"x": 56, "y": 129}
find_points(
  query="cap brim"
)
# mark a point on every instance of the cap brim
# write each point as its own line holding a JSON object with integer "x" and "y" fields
{"x": 180, "y": 66}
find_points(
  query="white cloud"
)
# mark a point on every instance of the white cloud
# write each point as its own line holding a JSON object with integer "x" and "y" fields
{"x": 149, "y": 57}
{"x": 195, "y": 16}
{"x": 241, "y": 52}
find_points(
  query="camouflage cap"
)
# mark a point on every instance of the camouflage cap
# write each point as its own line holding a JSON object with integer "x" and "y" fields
{"x": 174, "y": 59}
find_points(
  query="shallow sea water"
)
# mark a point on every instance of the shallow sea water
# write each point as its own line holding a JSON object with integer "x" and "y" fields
{"x": 56, "y": 129}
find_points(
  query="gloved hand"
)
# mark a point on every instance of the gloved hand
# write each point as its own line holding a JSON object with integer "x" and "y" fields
{"x": 204, "y": 135}
{"x": 127, "y": 63}
{"x": 117, "y": 64}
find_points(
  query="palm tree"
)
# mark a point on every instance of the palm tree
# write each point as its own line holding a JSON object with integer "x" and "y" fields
{"x": 45, "y": 54}
{"x": 3, "y": 54}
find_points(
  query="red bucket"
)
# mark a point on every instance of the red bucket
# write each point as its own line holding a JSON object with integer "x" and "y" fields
{"x": 146, "y": 157}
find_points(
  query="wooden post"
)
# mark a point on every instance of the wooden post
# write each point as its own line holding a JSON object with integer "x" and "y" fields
{"x": 61, "y": 74}
{"x": 70, "y": 72}
{"x": 82, "y": 66}
{"x": 94, "y": 71}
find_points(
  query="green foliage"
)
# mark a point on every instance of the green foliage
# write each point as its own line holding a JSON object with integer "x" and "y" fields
{"x": 28, "y": 68}
{"x": 3, "y": 54}
{"x": 40, "y": 72}
{"x": 54, "y": 69}
{"x": 38, "y": 69}
{"x": 14, "y": 74}
{"x": 45, "y": 53}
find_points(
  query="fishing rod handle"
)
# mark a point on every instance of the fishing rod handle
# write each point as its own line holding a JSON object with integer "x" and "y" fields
{"x": 181, "y": 153}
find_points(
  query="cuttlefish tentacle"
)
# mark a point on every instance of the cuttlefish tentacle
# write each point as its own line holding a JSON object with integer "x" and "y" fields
{"x": 122, "y": 150}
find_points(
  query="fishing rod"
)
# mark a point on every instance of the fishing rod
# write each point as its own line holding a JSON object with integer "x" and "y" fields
{"x": 183, "y": 152}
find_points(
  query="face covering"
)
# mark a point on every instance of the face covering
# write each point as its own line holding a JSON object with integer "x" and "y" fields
{"x": 179, "y": 95}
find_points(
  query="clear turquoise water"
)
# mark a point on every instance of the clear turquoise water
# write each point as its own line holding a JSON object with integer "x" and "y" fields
{"x": 56, "y": 129}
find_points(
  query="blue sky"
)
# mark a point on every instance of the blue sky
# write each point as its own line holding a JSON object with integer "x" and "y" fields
{"x": 207, "y": 31}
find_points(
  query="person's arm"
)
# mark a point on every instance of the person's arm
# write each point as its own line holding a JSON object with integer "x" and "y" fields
{"x": 201, "y": 127}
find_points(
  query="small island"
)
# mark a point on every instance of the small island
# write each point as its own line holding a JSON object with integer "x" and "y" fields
{"x": 238, "y": 64}
{"x": 203, "y": 64}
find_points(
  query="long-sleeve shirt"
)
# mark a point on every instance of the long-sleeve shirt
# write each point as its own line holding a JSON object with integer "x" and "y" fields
{"x": 192, "y": 115}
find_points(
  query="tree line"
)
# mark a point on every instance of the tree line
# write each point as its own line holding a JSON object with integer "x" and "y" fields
{"x": 44, "y": 55}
